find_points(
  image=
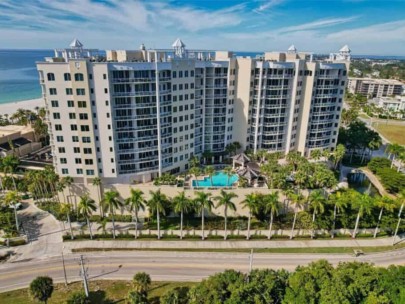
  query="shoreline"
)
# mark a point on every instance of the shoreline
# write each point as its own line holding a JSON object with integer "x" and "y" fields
{"x": 30, "y": 104}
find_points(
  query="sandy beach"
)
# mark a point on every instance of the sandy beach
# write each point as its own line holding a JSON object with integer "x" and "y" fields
{"x": 10, "y": 108}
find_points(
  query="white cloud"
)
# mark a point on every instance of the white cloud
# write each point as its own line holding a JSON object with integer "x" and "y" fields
{"x": 268, "y": 4}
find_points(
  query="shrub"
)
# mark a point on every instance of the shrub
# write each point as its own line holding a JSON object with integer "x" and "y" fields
{"x": 392, "y": 180}
{"x": 41, "y": 288}
{"x": 78, "y": 298}
{"x": 379, "y": 163}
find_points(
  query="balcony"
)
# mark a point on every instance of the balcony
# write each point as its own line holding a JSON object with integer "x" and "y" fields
{"x": 131, "y": 80}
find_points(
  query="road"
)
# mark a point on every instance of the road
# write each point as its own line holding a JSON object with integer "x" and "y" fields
{"x": 167, "y": 266}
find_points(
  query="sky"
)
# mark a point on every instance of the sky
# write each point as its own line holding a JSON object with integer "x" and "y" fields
{"x": 369, "y": 27}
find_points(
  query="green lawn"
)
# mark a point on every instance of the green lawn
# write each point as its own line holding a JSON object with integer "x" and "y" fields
{"x": 100, "y": 292}
{"x": 394, "y": 133}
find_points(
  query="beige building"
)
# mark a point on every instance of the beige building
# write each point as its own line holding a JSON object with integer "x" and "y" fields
{"x": 133, "y": 115}
{"x": 17, "y": 140}
{"x": 375, "y": 87}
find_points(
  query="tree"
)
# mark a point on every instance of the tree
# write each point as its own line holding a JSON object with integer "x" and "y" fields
{"x": 78, "y": 297}
{"x": 194, "y": 162}
{"x": 273, "y": 206}
{"x": 68, "y": 181}
{"x": 252, "y": 201}
{"x": 210, "y": 171}
{"x": 298, "y": 201}
{"x": 316, "y": 154}
{"x": 364, "y": 204}
{"x": 317, "y": 202}
{"x": 41, "y": 288}
{"x": 207, "y": 155}
{"x": 225, "y": 200}
{"x": 135, "y": 297}
{"x": 98, "y": 183}
{"x": 66, "y": 209}
{"x": 110, "y": 203}
{"x": 181, "y": 204}
{"x": 229, "y": 172}
{"x": 156, "y": 205}
{"x": 386, "y": 203}
{"x": 203, "y": 201}
{"x": 195, "y": 171}
{"x": 9, "y": 166}
{"x": 12, "y": 198}
{"x": 86, "y": 207}
{"x": 141, "y": 282}
{"x": 338, "y": 155}
{"x": 401, "y": 202}
{"x": 338, "y": 199}
{"x": 135, "y": 203}
{"x": 178, "y": 295}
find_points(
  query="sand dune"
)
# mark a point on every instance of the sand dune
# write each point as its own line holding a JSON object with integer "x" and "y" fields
{"x": 10, "y": 108}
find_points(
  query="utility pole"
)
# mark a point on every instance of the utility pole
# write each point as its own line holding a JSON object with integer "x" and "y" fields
{"x": 250, "y": 261}
{"x": 83, "y": 273}
{"x": 64, "y": 268}
{"x": 399, "y": 222}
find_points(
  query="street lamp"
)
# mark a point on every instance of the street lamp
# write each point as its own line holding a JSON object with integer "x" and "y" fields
{"x": 64, "y": 268}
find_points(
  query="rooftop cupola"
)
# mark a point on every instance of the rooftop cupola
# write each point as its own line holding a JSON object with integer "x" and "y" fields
{"x": 76, "y": 44}
{"x": 179, "y": 48}
{"x": 292, "y": 49}
{"x": 142, "y": 47}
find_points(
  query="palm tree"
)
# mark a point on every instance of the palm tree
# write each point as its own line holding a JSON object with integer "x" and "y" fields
{"x": 203, "y": 201}
{"x": 252, "y": 202}
{"x": 135, "y": 203}
{"x": 316, "y": 154}
{"x": 196, "y": 172}
{"x": 364, "y": 204}
{"x": 194, "y": 162}
{"x": 225, "y": 200}
{"x": 98, "y": 183}
{"x": 66, "y": 209}
{"x": 229, "y": 172}
{"x": 86, "y": 207}
{"x": 210, "y": 171}
{"x": 317, "y": 201}
{"x": 273, "y": 206}
{"x": 298, "y": 201}
{"x": 156, "y": 204}
{"x": 338, "y": 154}
{"x": 386, "y": 203}
{"x": 181, "y": 204}
{"x": 110, "y": 202}
{"x": 9, "y": 165}
{"x": 338, "y": 199}
{"x": 12, "y": 198}
{"x": 68, "y": 181}
{"x": 401, "y": 202}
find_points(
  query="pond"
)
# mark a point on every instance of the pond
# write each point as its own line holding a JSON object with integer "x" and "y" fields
{"x": 360, "y": 182}
{"x": 219, "y": 179}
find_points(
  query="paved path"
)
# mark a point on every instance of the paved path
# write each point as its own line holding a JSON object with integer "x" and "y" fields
{"x": 168, "y": 266}
{"x": 376, "y": 182}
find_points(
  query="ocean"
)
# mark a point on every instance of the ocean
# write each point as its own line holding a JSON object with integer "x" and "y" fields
{"x": 18, "y": 74}
{"x": 19, "y": 77}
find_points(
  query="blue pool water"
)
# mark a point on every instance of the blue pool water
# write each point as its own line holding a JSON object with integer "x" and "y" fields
{"x": 220, "y": 179}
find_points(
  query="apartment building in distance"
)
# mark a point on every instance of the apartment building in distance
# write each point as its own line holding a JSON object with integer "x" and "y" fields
{"x": 133, "y": 115}
{"x": 375, "y": 88}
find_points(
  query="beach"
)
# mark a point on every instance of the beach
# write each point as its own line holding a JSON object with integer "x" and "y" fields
{"x": 31, "y": 104}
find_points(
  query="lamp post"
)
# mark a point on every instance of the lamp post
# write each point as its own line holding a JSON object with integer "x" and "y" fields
{"x": 64, "y": 267}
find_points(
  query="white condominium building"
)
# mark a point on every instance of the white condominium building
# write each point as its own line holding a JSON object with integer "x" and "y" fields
{"x": 132, "y": 115}
{"x": 373, "y": 88}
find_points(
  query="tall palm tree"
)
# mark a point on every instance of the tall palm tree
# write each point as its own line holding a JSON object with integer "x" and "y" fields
{"x": 273, "y": 206}
{"x": 86, "y": 207}
{"x": 60, "y": 187}
{"x": 386, "y": 203}
{"x": 110, "y": 203}
{"x": 196, "y": 172}
{"x": 156, "y": 204}
{"x": 203, "y": 202}
{"x": 316, "y": 154}
{"x": 98, "y": 183}
{"x": 298, "y": 201}
{"x": 68, "y": 181}
{"x": 317, "y": 202}
{"x": 339, "y": 201}
{"x": 364, "y": 204}
{"x": 210, "y": 171}
{"x": 401, "y": 202}
{"x": 194, "y": 162}
{"x": 135, "y": 203}
{"x": 181, "y": 204}
{"x": 66, "y": 209}
{"x": 252, "y": 202}
{"x": 225, "y": 200}
{"x": 229, "y": 172}
{"x": 9, "y": 165}
{"x": 12, "y": 198}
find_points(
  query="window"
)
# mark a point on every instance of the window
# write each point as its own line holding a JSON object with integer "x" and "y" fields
{"x": 104, "y": 76}
{"x": 108, "y": 115}
{"x": 106, "y": 102}
{"x": 79, "y": 171}
{"x": 72, "y": 115}
{"x": 105, "y": 90}
{"x": 65, "y": 171}
{"x": 185, "y": 73}
{"x": 180, "y": 74}
{"x": 174, "y": 75}
{"x": 79, "y": 77}
{"x": 112, "y": 160}
{"x": 80, "y": 92}
{"x": 59, "y": 138}
{"x": 52, "y": 91}
{"x": 58, "y": 127}
{"x": 61, "y": 150}
{"x": 88, "y": 161}
{"x": 69, "y": 91}
{"x": 71, "y": 103}
{"x": 76, "y": 150}
{"x": 75, "y": 138}
{"x": 85, "y": 128}
{"x": 56, "y": 115}
{"x": 91, "y": 76}
{"x": 89, "y": 172}
{"x": 54, "y": 103}
{"x": 51, "y": 76}
{"x": 66, "y": 76}
{"x": 192, "y": 73}
{"x": 63, "y": 160}
{"x": 86, "y": 139}
{"x": 87, "y": 150}
{"x": 78, "y": 160}
{"x": 82, "y": 104}
{"x": 83, "y": 116}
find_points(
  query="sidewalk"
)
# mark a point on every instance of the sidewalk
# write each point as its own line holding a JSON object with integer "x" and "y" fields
{"x": 229, "y": 244}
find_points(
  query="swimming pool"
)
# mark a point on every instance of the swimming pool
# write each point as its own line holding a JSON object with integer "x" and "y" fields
{"x": 220, "y": 179}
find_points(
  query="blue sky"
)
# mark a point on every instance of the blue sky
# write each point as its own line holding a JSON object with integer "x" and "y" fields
{"x": 368, "y": 26}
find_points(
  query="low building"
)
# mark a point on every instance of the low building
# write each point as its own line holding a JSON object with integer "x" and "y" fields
{"x": 374, "y": 87}
{"x": 392, "y": 104}
{"x": 17, "y": 140}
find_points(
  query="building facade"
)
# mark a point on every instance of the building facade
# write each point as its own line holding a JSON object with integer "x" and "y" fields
{"x": 375, "y": 87}
{"x": 133, "y": 115}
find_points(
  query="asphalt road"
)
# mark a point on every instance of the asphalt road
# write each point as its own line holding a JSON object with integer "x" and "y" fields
{"x": 166, "y": 266}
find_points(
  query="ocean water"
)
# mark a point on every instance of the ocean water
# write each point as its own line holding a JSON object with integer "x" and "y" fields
{"x": 18, "y": 74}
